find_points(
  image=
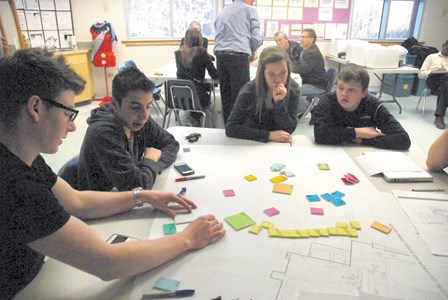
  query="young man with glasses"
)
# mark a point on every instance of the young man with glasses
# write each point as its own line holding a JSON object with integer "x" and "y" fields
{"x": 40, "y": 214}
{"x": 123, "y": 147}
{"x": 311, "y": 68}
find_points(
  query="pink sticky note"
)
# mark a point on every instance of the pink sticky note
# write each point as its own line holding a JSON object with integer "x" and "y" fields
{"x": 229, "y": 193}
{"x": 317, "y": 211}
{"x": 271, "y": 211}
{"x": 186, "y": 149}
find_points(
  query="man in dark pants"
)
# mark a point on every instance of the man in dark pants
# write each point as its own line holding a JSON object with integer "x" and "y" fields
{"x": 237, "y": 40}
{"x": 437, "y": 83}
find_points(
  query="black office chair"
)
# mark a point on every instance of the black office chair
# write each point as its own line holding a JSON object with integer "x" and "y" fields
{"x": 182, "y": 96}
{"x": 69, "y": 171}
{"x": 330, "y": 76}
{"x": 157, "y": 93}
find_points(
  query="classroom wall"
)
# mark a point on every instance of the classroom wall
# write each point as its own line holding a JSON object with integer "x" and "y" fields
{"x": 86, "y": 12}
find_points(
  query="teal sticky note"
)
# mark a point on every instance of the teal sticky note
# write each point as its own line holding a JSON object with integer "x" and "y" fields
{"x": 166, "y": 284}
{"x": 169, "y": 228}
{"x": 313, "y": 198}
{"x": 239, "y": 221}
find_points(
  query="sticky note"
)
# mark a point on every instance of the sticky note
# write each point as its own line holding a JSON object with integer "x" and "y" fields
{"x": 166, "y": 284}
{"x": 344, "y": 180}
{"x": 323, "y": 166}
{"x": 239, "y": 221}
{"x": 273, "y": 232}
{"x": 304, "y": 233}
{"x": 327, "y": 197}
{"x": 276, "y": 167}
{"x": 250, "y": 177}
{"x": 337, "y": 202}
{"x": 287, "y": 173}
{"x": 255, "y": 229}
{"x": 341, "y": 225}
{"x": 267, "y": 224}
{"x": 381, "y": 227}
{"x": 323, "y": 232}
{"x": 282, "y": 188}
{"x": 294, "y": 233}
{"x": 313, "y": 198}
{"x": 186, "y": 149}
{"x": 352, "y": 232}
{"x": 355, "y": 225}
{"x": 313, "y": 233}
{"x": 271, "y": 211}
{"x": 283, "y": 232}
{"x": 229, "y": 193}
{"x": 341, "y": 231}
{"x": 332, "y": 230}
{"x": 169, "y": 228}
{"x": 338, "y": 194}
{"x": 316, "y": 211}
{"x": 278, "y": 178}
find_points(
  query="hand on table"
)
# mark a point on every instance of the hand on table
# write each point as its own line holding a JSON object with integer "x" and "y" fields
{"x": 153, "y": 153}
{"x": 160, "y": 200}
{"x": 203, "y": 231}
{"x": 367, "y": 133}
{"x": 280, "y": 136}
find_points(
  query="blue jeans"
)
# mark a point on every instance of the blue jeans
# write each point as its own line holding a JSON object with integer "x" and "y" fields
{"x": 307, "y": 90}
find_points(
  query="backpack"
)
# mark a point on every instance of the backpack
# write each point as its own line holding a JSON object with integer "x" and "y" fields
{"x": 408, "y": 43}
{"x": 421, "y": 52}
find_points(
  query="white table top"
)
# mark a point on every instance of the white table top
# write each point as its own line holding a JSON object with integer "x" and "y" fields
{"x": 244, "y": 265}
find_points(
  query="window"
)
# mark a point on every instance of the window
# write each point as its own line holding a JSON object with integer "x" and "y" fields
{"x": 165, "y": 19}
{"x": 386, "y": 19}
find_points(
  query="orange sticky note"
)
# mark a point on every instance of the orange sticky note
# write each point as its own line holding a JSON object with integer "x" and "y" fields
{"x": 282, "y": 188}
{"x": 278, "y": 178}
{"x": 381, "y": 227}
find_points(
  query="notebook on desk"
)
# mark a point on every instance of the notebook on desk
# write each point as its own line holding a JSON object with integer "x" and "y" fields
{"x": 407, "y": 176}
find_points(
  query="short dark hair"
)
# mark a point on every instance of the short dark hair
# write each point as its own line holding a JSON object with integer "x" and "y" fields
{"x": 312, "y": 33}
{"x": 352, "y": 72}
{"x": 30, "y": 72}
{"x": 128, "y": 80}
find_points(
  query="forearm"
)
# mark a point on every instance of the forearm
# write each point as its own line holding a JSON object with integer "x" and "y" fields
{"x": 391, "y": 142}
{"x": 438, "y": 153}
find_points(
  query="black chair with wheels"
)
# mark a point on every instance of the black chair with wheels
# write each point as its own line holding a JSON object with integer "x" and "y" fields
{"x": 157, "y": 93}
{"x": 69, "y": 171}
{"x": 330, "y": 76}
{"x": 182, "y": 96}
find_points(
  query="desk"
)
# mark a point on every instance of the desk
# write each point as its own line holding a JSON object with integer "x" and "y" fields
{"x": 249, "y": 266}
{"x": 376, "y": 71}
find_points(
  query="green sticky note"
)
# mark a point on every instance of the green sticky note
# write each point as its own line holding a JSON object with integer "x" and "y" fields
{"x": 239, "y": 221}
{"x": 169, "y": 228}
{"x": 167, "y": 284}
{"x": 323, "y": 166}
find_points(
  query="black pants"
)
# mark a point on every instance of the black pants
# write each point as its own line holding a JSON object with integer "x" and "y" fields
{"x": 233, "y": 73}
{"x": 438, "y": 84}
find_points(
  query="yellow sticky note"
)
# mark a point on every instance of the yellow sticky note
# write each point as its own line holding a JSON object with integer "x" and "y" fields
{"x": 273, "y": 232}
{"x": 282, "y": 188}
{"x": 352, "y": 232}
{"x": 341, "y": 225}
{"x": 381, "y": 227}
{"x": 332, "y": 230}
{"x": 283, "y": 232}
{"x": 313, "y": 233}
{"x": 304, "y": 233}
{"x": 278, "y": 178}
{"x": 355, "y": 225}
{"x": 294, "y": 233}
{"x": 267, "y": 224}
{"x": 342, "y": 231}
{"x": 255, "y": 229}
{"x": 323, "y": 232}
{"x": 250, "y": 177}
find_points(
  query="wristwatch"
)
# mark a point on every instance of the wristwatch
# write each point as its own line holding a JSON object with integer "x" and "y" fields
{"x": 138, "y": 196}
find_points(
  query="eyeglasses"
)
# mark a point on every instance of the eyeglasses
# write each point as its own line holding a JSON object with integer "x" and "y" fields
{"x": 304, "y": 37}
{"x": 74, "y": 112}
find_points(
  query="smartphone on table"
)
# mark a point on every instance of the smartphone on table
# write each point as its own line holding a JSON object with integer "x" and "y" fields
{"x": 183, "y": 169}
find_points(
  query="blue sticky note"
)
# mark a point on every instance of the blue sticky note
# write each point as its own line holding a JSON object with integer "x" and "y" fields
{"x": 337, "y": 202}
{"x": 338, "y": 194}
{"x": 313, "y": 198}
{"x": 276, "y": 167}
{"x": 328, "y": 197}
{"x": 166, "y": 284}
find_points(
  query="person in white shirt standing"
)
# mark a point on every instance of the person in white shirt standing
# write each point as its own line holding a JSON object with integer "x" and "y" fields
{"x": 437, "y": 82}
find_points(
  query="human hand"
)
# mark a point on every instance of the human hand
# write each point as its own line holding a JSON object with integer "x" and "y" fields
{"x": 254, "y": 56}
{"x": 280, "y": 136}
{"x": 153, "y": 153}
{"x": 279, "y": 92}
{"x": 160, "y": 200}
{"x": 203, "y": 231}
{"x": 368, "y": 132}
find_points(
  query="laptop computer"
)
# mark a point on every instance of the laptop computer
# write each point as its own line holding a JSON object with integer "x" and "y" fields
{"x": 407, "y": 176}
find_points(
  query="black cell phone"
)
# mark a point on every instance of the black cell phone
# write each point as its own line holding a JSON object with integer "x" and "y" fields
{"x": 183, "y": 169}
{"x": 119, "y": 238}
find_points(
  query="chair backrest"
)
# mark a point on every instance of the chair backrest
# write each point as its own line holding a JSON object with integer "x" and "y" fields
{"x": 182, "y": 94}
{"x": 69, "y": 171}
{"x": 331, "y": 76}
{"x": 127, "y": 63}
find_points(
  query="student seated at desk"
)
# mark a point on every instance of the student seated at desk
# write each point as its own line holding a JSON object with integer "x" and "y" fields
{"x": 123, "y": 147}
{"x": 438, "y": 153}
{"x": 40, "y": 214}
{"x": 351, "y": 115}
{"x": 192, "y": 60}
{"x": 266, "y": 107}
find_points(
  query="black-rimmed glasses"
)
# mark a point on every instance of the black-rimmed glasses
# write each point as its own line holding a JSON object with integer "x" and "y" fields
{"x": 74, "y": 112}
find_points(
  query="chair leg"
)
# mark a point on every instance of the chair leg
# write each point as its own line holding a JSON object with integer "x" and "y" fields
{"x": 308, "y": 109}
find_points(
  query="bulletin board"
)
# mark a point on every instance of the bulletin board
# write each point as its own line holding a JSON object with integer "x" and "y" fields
{"x": 46, "y": 23}
{"x": 329, "y": 18}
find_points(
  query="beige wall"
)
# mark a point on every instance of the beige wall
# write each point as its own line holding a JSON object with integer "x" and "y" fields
{"x": 86, "y": 12}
